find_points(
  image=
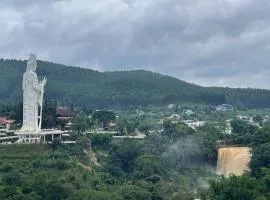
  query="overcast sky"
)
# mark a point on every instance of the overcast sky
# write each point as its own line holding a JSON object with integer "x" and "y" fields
{"x": 207, "y": 42}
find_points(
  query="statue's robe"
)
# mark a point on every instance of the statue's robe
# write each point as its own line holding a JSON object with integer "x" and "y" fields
{"x": 31, "y": 95}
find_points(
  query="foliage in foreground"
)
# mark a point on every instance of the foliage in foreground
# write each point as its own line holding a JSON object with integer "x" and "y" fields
{"x": 241, "y": 188}
{"x": 168, "y": 165}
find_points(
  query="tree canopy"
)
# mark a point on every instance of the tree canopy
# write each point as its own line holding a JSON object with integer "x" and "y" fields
{"x": 86, "y": 88}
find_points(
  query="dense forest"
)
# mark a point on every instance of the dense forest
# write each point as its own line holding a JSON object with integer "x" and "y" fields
{"x": 86, "y": 87}
{"x": 178, "y": 163}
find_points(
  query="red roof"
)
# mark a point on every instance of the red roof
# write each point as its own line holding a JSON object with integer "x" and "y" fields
{"x": 64, "y": 112}
{"x": 6, "y": 120}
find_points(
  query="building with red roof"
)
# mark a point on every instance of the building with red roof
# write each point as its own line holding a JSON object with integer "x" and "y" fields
{"x": 64, "y": 113}
{"x": 5, "y": 122}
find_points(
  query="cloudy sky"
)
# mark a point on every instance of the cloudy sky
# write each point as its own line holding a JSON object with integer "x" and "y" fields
{"x": 208, "y": 42}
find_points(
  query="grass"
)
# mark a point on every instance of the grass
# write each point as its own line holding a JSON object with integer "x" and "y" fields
{"x": 23, "y": 150}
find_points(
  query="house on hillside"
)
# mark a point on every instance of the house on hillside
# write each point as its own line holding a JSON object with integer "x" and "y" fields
{"x": 170, "y": 106}
{"x": 174, "y": 117}
{"x": 243, "y": 117}
{"x": 228, "y": 127}
{"x": 188, "y": 112}
{"x": 194, "y": 124}
{"x": 64, "y": 114}
{"x": 111, "y": 124}
{"x": 64, "y": 117}
{"x": 225, "y": 107}
{"x": 68, "y": 126}
{"x": 265, "y": 119}
{"x": 5, "y": 123}
{"x": 139, "y": 112}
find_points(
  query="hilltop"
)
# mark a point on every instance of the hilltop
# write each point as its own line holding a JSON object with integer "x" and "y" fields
{"x": 86, "y": 87}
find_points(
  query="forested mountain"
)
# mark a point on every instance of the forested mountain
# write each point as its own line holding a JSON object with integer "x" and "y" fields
{"x": 86, "y": 87}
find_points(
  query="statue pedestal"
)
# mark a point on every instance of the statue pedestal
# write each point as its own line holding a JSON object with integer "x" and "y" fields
{"x": 32, "y": 137}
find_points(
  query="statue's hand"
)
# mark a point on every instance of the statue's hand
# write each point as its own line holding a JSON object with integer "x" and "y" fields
{"x": 44, "y": 81}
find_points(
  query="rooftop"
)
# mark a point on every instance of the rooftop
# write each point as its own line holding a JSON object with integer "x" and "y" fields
{"x": 64, "y": 112}
{"x": 6, "y": 120}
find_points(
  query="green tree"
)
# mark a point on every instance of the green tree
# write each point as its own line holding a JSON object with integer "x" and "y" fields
{"x": 184, "y": 153}
{"x": 101, "y": 140}
{"x": 155, "y": 144}
{"x": 243, "y": 133}
{"x": 144, "y": 128}
{"x": 83, "y": 142}
{"x": 262, "y": 136}
{"x": 259, "y": 119}
{"x": 235, "y": 188}
{"x": 12, "y": 178}
{"x": 131, "y": 192}
{"x": 260, "y": 158}
{"x": 81, "y": 123}
{"x": 56, "y": 143}
{"x": 103, "y": 117}
{"x": 55, "y": 191}
{"x": 127, "y": 125}
{"x": 123, "y": 156}
{"x": 89, "y": 194}
{"x": 175, "y": 131}
{"x": 49, "y": 114}
{"x": 242, "y": 127}
{"x": 9, "y": 192}
{"x": 206, "y": 137}
{"x": 149, "y": 165}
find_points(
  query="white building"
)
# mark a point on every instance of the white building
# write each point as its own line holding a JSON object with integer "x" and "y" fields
{"x": 174, "y": 117}
{"x": 188, "y": 112}
{"x": 244, "y": 118}
{"x": 225, "y": 107}
{"x": 140, "y": 112}
{"x": 194, "y": 124}
{"x": 170, "y": 106}
{"x": 228, "y": 127}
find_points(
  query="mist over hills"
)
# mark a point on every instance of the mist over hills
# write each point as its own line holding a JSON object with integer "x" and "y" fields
{"x": 89, "y": 88}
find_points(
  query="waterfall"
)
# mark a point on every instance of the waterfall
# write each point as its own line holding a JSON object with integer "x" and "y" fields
{"x": 233, "y": 160}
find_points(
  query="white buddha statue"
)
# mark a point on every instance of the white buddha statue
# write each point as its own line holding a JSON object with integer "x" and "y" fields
{"x": 32, "y": 97}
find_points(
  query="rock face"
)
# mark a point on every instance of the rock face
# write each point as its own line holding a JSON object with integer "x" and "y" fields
{"x": 32, "y": 97}
{"x": 233, "y": 160}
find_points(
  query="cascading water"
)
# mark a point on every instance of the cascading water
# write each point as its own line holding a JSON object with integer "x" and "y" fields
{"x": 233, "y": 160}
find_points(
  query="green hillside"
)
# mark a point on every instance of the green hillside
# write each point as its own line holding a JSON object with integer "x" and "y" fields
{"x": 85, "y": 87}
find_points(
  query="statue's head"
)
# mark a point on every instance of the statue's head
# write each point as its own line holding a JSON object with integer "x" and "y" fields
{"x": 32, "y": 63}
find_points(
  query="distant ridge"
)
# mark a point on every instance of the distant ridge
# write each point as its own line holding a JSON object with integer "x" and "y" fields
{"x": 90, "y": 88}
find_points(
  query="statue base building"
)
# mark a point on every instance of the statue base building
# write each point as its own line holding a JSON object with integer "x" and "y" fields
{"x": 43, "y": 136}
